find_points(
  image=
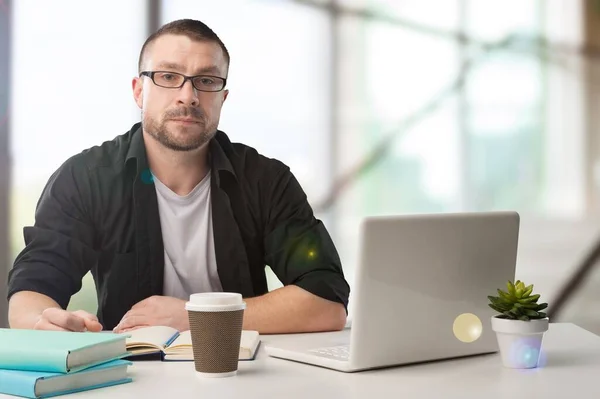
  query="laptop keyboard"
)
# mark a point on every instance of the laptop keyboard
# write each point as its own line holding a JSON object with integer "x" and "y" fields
{"x": 340, "y": 352}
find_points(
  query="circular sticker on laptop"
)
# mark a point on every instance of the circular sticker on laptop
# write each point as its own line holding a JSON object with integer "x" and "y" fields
{"x": 467, "y": 327}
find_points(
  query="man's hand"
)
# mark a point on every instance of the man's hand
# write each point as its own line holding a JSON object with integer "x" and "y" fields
{"x": 155, "y": 311}
{"x": 62, "y": 320}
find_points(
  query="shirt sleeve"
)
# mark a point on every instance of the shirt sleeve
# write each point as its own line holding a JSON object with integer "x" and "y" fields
{"x": 58, "y": 247}
{"x": 298, "y": 247}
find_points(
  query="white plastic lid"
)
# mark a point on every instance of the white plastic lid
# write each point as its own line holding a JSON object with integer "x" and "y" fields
{"x": 215, "y": 302}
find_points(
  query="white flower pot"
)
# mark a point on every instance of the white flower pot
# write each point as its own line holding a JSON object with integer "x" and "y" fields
{"x": 520, "y": 342}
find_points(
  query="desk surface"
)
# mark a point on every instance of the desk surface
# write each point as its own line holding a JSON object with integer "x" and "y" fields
{"x": 571, "y": 357}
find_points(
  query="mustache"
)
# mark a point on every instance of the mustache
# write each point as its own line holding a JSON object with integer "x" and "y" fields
{"x": 185, "y": 112}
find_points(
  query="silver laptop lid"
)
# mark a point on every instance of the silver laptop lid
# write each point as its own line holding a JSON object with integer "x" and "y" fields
{"x": 418, "y": 273}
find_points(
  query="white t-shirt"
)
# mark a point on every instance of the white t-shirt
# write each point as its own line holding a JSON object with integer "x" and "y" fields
{"x": 187, "y": 232}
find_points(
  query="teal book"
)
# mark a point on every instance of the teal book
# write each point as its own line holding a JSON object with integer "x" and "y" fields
{"x": 58, "y": 351}
{"x": 40, "y": 384}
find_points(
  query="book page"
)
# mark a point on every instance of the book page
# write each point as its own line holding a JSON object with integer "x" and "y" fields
{"x": 248, "y": 344}
{"x": 149, "y": 339}
{"x": 183, "y": 344}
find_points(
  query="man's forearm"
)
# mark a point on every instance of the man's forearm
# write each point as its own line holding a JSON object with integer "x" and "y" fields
{"x": 26, "y": 307}
{"x": 292, "y": 309}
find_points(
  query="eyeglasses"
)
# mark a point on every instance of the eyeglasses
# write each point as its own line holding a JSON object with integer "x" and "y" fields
{"x": 174, "y": 80}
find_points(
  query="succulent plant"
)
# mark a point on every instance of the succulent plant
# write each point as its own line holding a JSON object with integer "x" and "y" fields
{"x": 518, "y": 303}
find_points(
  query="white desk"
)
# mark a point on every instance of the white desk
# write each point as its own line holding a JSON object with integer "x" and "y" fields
{"x": 572, "y": 370}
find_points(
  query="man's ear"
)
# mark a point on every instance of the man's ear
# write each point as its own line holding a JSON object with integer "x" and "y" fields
{"x": 137, "y": 86}
{"x": 225, "y": 94}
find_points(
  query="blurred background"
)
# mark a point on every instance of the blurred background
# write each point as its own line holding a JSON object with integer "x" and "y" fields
{"x": 378, "y": 106}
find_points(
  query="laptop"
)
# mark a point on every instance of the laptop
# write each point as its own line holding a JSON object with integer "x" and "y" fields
{"x": 418, "y": 279}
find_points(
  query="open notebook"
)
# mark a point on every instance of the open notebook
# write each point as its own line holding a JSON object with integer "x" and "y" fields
{"x": 173, "y": 345}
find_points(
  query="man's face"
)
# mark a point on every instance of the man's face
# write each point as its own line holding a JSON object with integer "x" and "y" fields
{"x": 182, "y": 119}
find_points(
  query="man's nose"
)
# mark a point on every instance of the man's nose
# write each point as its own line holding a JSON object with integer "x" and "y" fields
{"x": 188, "y": 94}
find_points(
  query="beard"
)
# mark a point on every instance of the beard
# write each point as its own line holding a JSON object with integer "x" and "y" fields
{"x": 179, "y": 137}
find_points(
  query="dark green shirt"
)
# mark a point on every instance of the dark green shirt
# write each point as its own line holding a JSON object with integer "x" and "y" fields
{"x": 99, "y": 212}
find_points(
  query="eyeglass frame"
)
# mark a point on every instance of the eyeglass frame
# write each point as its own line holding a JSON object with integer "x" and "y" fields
{"x": 150, "y": 74}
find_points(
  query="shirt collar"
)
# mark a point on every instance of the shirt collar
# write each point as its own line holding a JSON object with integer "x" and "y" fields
{"x": 137, "y": 150}
{"x": 216, "y": 150}
{"x": 219, "y": 160}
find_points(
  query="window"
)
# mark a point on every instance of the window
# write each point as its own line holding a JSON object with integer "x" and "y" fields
{"x": 505, "y": 111}
{"x": 392, "y": 73}
{"x": 72, "y": 65}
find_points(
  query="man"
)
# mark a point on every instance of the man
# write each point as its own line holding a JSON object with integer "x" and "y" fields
{"x": 171, "y": 208}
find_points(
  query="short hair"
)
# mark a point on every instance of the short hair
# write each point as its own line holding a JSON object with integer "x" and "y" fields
{"x": 193, "y": 29}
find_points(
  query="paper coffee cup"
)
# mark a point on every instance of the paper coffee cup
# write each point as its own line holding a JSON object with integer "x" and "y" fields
{"x": 216, "y": 320}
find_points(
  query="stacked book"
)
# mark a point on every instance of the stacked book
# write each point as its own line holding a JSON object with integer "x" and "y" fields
{"x": 38, "y": 364}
